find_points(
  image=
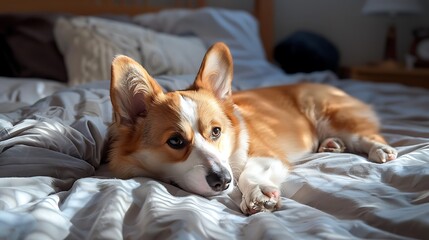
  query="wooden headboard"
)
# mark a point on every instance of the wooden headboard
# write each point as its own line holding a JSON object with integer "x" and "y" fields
{"x": 262, "y": 10}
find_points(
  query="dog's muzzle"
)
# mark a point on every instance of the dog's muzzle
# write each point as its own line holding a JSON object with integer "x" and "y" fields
{"x": 219, "y": 180}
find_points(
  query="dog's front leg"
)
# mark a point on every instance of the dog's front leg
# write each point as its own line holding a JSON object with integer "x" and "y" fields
{"x": 260, "y": 184}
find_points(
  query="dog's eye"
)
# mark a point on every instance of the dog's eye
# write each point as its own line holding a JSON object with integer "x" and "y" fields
{"x": 176, "y": 142}
{"x": 216, "y": 131}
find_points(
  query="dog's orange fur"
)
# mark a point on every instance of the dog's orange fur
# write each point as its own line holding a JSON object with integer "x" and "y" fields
{"x": 305, "y": 105}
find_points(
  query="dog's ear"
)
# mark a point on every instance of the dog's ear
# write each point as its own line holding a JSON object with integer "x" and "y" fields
{"x": 131, "y": 90}
{"x": 216, "y": 71}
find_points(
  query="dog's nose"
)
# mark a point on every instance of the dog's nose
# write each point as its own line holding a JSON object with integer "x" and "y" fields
{"x": 219, "y": 181}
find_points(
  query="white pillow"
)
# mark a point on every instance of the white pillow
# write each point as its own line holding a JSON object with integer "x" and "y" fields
{"x": 238, "y": 29}
{"x": 89, "y": 44}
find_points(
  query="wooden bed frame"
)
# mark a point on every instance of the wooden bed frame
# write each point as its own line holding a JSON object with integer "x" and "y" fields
{"x": 262, "y": 10}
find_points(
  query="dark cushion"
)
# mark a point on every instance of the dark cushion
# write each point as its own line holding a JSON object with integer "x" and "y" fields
{"x": 28, "y": 49}
{"x": 306, "y": 52}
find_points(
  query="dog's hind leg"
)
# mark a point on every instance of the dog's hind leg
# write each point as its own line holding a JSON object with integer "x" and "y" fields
{"x": 354, "y": 128}
{"x": 337, "y": 115}
{"x": 332, "y": 144}
{"x": 374, "y": 145}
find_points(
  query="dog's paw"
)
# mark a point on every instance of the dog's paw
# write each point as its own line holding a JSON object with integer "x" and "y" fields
{"x": 381, "y": 153}
{"x": 260, "y": 199}
{"x": 332, "y": 145}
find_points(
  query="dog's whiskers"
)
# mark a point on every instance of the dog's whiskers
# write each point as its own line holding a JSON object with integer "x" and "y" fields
{"x": 176, "y": 177}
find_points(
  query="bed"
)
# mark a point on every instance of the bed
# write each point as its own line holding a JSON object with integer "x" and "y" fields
{"x": 55, "y": 110}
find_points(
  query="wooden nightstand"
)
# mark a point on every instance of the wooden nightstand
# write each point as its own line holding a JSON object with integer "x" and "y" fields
{"x": 412, "y": 77}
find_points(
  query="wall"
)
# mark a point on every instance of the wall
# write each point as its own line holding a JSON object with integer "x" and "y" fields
{"x": 359, "y": 38}
{"x": 231, "y": 4}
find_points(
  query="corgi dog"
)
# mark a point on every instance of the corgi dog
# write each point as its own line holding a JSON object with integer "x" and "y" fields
{"x": 206, "y": 139}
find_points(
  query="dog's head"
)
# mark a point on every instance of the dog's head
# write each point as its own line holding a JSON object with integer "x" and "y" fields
{"x": 183, "y": 137}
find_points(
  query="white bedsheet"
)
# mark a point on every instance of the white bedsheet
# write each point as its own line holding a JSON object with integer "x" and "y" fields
{"x": 53, "y": 185}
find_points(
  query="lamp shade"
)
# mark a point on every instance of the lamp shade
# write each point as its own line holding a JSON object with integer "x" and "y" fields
{"x": 392, "y": 7}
